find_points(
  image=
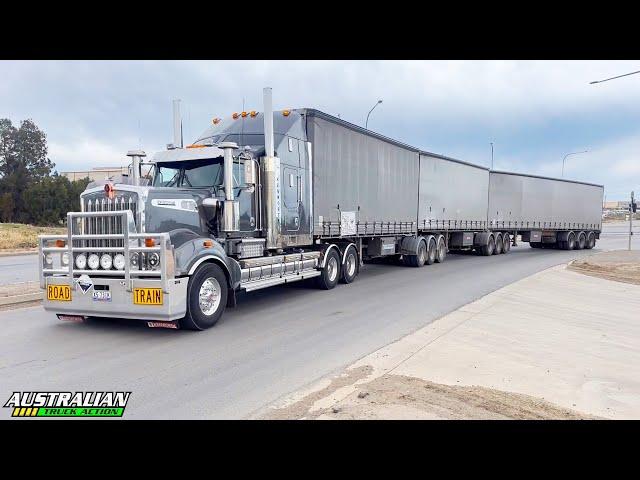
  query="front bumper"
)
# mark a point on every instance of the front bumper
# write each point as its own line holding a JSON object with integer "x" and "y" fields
{"x": 121, "y": 304}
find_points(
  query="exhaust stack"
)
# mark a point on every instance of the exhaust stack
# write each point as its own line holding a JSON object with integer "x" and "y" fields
{"x": 268, "y": 122}
{"x": 231, "y": 219}
{"x": 136, "y": 158}
{"x": 177, "y": 125}
{"x": 271, "y": 175}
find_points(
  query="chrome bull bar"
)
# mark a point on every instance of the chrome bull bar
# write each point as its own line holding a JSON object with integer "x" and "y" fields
{"x": 132, "y": 242}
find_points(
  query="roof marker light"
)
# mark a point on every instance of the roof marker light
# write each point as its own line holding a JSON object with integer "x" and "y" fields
{"x": 244, "y": 114}
{"x": 215, "y": 121}
{"x": 286, "y": 112}
{"x": 253, "y": 113}
{"x": 235, "y": 115}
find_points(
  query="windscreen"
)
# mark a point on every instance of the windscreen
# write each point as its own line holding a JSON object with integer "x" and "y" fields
{"x": 192, "y": 173}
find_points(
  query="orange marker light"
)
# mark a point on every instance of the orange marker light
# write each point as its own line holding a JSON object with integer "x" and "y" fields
{"x": 244, "y": 114}
{"x": 215, "y": 121}
{"x": 196, "y": 146}
{"x": 207, "y": 244}
{"x": 235, "y": 115}
{"x": 60, "y": 243}
{"x": 286, "y": 112}
{"x": 149, "y": 242}
{"x": 253, "y": 113}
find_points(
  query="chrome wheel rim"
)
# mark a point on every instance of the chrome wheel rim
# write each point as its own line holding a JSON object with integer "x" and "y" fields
{"x": 209, "y": 296}
{"x": 351, "y": 264}
{"x": 332, "y": 269}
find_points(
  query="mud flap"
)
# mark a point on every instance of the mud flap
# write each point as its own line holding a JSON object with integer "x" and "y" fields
{"x": 231, "y": 298}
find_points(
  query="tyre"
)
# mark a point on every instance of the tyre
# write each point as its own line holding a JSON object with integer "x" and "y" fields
{"x": 591, "y": 241}
{"x": 581, "y": 242}
{"x": 488, "y": 249}
{"x": 498, "y": 244}
{"x": 431, "y": 251}
{"x": 331, "y": 271}
{"x": 206, "y": 297}
{"x": 441, "y": 251}
{"x": 571, "y": 241}
{"x": 420, "y": 259}
{"x": 351, "y": 265}
{"x": 506, "y": 243}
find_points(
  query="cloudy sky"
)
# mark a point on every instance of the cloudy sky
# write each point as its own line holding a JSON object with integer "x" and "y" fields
{"x": 534, "y": 112}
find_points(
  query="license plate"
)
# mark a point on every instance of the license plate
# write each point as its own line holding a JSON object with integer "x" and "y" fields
{"x": 147, "y": 296}
{"x": 59, "y": 293}
{"x": 101, "y": 296}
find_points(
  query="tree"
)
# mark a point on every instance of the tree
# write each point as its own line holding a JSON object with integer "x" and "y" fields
{"x": 23, "y": 161}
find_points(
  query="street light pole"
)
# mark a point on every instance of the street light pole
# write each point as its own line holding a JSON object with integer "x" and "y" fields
{"x": 568, "y": 154}
{"x": 366, "y": 124}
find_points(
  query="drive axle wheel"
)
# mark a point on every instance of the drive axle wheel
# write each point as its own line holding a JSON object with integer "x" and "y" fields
{"x": 331, "y": 271}
{"x": 206, "y": 297}
{"x": 351, "y": 265}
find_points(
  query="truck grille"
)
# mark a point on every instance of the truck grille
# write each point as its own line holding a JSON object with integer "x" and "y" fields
{"x": 105, "y": 225}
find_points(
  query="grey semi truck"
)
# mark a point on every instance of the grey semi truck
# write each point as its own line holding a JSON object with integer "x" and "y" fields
{"x": 266, "y": 198}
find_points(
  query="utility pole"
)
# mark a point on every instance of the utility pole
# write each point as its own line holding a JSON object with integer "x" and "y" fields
{"x": 632, "y": 209}
{"x": 491, "y": 155}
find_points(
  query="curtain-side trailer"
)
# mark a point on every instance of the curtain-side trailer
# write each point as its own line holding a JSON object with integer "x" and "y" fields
{"x": 266, "y": 198}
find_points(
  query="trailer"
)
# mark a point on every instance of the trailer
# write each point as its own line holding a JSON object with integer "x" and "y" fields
{"x": 267, "y": 198}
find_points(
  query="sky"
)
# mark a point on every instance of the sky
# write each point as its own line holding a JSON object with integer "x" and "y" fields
{"x": 534, "y": 112}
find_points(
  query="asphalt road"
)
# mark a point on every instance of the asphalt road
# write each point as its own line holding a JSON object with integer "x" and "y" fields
{"x": 18, "y": 269}
{"x": 276, "y": 341}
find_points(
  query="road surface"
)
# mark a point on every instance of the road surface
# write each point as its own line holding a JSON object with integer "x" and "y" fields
{"x": 18, "y": 269}
{"x": 276, "y": 341}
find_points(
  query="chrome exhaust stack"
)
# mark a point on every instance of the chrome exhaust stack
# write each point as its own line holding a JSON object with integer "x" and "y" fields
{"x": 136, "y": 158}
{"x": 231, "y": 211}
{"x": 177, "y": 125}
{"x": 272, "y": 188}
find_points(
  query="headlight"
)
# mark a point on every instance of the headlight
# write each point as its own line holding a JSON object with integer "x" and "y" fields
{"x": 64, "y": 258}
{"x": 81, "y": 261}
{"x": 118, "y": 261}
{"x": 48, "y": 259}
{"x": 154, "y": 260}
{"x": 106, "y": 261}
{"x": 134, "y": 261}
{"x": 93, "y": 261}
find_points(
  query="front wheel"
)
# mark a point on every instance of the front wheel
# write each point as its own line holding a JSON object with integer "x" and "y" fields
{"x": 206, "y": 297}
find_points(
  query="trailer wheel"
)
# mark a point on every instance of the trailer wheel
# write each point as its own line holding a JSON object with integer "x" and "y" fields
{"x": 206, "y": 297}
{"x": 431, "y": 251}
{"x": 441, "y": 252}
{"x": 488, "y": 249}
{"x": 417, "y": 260}
{"x": 331, "y": 271}
{"x": 351, "y": 265}
{"x": 582, "y": 239}
{"x": 591, "y": 241}
{"x": 498, "y": 250}
{"x": 506, "y": 243}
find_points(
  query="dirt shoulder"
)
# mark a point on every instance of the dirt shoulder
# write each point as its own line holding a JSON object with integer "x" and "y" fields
{"x": 549, "y": 346}
{"x": 618, "y": 265}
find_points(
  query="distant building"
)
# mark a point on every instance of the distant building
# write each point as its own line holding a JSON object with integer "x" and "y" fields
{"x": 616, "y": 205}
{"x": 97, "y": 173}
